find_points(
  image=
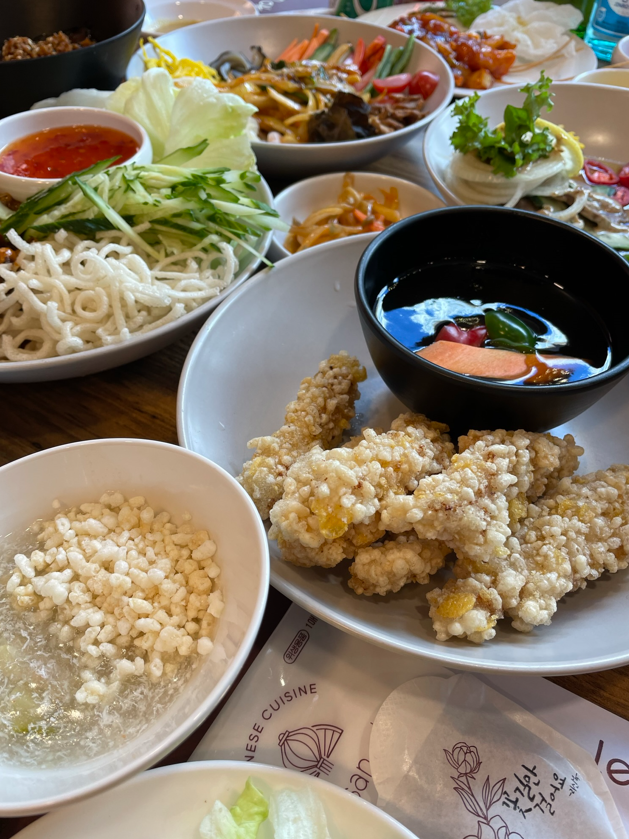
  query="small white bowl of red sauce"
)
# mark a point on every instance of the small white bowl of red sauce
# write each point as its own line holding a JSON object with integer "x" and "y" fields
{"x": 39, "y": 148}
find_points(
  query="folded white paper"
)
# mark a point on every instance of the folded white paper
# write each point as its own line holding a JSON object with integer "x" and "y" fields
{"x": 451, "y": 757}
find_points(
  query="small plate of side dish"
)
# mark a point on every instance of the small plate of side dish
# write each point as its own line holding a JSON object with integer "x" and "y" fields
{"x": 253, "y": 380}
{"x": 134, "y": 576}
{"x": 317, "y": 83}
{"x": 209, "y": 799}
{"x": 329, "y": 207}
{"x": 570, "y": 167}
{"x": 166, "y": 17}
{"x": 492, "y": 46}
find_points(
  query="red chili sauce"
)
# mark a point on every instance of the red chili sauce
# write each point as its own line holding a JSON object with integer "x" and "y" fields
{"x": 58, "y": 152}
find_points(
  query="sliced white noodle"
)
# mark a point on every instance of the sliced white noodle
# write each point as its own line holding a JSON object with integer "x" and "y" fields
{"x": 65, "y": 295}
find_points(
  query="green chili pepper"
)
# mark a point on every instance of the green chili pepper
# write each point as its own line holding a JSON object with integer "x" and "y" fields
{"x": 505, "y": 330}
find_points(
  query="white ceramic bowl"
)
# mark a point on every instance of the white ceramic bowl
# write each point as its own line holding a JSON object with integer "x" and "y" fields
{"x": 598, "y": 115}
{"x": 614, "y": 77}
{"x": 171, "y": 802}
{"x": 30, "y": 122}
{"x": 171, "y": 479}
{"x": 205, "y": 41}
{"x": 166, "y": 17}
{"x": 304, "y": 197}
{"x": 104, "y": 358}
{"x": 621, "y": 52}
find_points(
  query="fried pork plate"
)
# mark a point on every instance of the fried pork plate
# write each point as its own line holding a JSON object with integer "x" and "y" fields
{"x": 522, "y": 530}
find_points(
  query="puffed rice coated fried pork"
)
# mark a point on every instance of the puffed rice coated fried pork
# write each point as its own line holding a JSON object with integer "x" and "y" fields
{"x": 324, "y": 408}
{"x": 571, "y": 535}
{"x": 336, "y": 494}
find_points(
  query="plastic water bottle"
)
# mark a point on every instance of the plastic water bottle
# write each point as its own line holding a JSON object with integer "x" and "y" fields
{"x": 608, "y": 24}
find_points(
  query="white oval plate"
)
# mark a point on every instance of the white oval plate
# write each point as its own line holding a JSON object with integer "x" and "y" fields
{"x": 170, "y": 803}
{"x": 562, "y": 68}
{"x": 246, "y": 365}
{"x": 104, "y": 358}
{"x": 598, "y": 115}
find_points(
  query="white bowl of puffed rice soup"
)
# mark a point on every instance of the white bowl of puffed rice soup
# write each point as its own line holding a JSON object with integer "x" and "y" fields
{"x": 133, "y": 579}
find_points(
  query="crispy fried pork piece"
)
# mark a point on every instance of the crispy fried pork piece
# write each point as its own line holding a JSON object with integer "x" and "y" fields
{"x": 541, "y": 459}
{"x": 572, "y": 535}
{"x": 327, "y": 494}
{"x": 324, "y": 408}
{"x": 332, "y": 551}
{"x": 385, "y": 568}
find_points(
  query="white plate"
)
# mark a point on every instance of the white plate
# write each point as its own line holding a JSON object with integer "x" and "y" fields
{"x": 304, "y": 197}
{"x": 562, "y": 67}
{"x": 205, "y": 41}
{"x": 246, "y": 365}
{"x": 164, "y": 17}
{"x": 598, "y": 115}
{"x": 104, "y": 358}
{"x": 171, "y": 802}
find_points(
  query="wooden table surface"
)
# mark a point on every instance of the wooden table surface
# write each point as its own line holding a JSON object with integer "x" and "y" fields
{"x": 140, "y": 400}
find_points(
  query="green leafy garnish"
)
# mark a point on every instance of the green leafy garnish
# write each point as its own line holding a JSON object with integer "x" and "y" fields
{"x": 519, "y": 142}
{"x": 468, "y": 10}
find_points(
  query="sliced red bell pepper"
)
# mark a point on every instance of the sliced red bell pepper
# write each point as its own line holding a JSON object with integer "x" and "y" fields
{"x": 365, "y": 79}
{"x": 359, "y": 53}
{"x": 393, "y": 84}
{"x": 623, "y": 176}
{"x": 597, "y": 173}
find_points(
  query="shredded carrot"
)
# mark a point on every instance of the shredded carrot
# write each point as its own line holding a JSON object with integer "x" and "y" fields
{"x": 317, "y": 41}
{"x": 297, "y": 52}
{"x": 288, "y": 50}
{"x": 359, "y": 216}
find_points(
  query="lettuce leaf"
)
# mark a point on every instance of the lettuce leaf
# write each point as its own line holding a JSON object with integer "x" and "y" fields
{"x": 241, "y": 822}
{"x": 298, "y": 813}
{"x": 177, "y": 116}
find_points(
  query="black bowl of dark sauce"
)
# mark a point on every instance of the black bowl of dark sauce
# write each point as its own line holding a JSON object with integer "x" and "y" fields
{"x": 451, "y": 265}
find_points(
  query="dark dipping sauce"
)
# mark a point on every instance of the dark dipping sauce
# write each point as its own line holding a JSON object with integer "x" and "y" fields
{"x": 58, "y": 152}
{"x": 564, "y": 326}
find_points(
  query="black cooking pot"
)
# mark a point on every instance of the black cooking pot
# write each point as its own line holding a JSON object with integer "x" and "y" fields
{"x": 114, "y": 24}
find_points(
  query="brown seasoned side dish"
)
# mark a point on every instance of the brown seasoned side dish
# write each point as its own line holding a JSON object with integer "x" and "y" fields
{"x": 21, "y": 47}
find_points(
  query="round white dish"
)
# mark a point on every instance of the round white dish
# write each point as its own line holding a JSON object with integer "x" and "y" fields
{"x": 104, "y": 358}
{"x": 166, "y": 17}
{"x": 171, "y": 479}
{"x": 304, "y": 197}
{"x": 621, "y": 52}
{"x": 171, "y": 802}
{"x": 307, "y": 304}
{"x": 205, "y": 41}
{"x": 598, "y": 115}
{"x": 610, "y": 76}
{"x": 30, "y": 122}
{"x": 561, "y": 67}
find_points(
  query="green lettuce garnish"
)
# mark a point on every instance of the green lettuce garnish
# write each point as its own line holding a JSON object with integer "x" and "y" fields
{"x": 242, "y": 821}
{"x": 518, "y": 143}
{"x": 468, "y": 10}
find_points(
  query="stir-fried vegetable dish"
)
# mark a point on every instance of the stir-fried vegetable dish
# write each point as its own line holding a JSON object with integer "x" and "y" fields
{"x": 353, "y": 213}
{"x": 319, "y": 89}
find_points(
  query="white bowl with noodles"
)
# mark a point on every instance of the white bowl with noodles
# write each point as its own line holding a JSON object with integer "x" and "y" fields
{"x": 597, "y": 114}
{"x": 178, "y": 482}
{"x": 205, "y": 41}
{"x": 305, "y": 197}
{"x": 104, "y": 358}
{"x": 21, "y": 125}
